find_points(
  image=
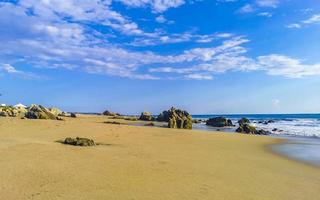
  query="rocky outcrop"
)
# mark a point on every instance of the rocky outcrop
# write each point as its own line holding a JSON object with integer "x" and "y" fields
{"x": 176, "y": 118}
{"x": 219, "y": 122}
{"x": 73, "y": 115}
{"x": 10, "y": 111}
{"x": 79, "y": 141}
{"x": 244, "y": 121}
{"x": 146, "y": 116}
{"x": 56, "y": 111}
{"x": 248, "y": 129}
{"x": 39, "y": 112}
{"x": 109, "y": 113}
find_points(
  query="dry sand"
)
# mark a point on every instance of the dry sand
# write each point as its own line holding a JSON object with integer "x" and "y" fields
{"x": 144, "y": 163}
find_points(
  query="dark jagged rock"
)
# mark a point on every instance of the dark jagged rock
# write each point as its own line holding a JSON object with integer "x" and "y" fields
{"x": 244, "y": 121}
{"x": 146, "y": 116}
{"x": 79, "y": 141}
{"x": 39, "y": 112}
{"x": 219, "y": 122}
{"x": 248, "y": 129}
{"x": 73, "y": 115}
{"x": 176, "y": 118}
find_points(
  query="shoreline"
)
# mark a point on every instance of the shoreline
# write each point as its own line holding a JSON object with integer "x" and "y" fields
{"x": 144, "y": 163}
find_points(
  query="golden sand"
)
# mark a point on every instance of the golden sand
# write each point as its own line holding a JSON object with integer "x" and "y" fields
{"x": 144, "y": 163}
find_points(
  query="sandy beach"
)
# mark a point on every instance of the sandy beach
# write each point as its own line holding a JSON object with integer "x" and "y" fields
{"x": 144, "y": 163}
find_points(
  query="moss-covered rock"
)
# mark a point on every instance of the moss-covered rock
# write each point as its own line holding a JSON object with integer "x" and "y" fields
{"x": 79, "y": 141}
{"x": 246, "y": 128}
{"x": 219, "y": 122}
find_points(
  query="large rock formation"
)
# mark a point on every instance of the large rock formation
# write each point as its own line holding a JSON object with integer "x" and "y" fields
{"x": 146, "y": 116}
{"x": 219, "y": 122}
{"x": 39, "y": 112}
{"x": 56, "y": 111}
{"x": 176, "y": 118}
{"x": 10, "y": 111}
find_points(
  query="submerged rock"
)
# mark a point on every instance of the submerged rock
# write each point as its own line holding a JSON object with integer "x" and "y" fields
{"x": 219, "y": 122}
{"x": 146, "y": 116}
{"x": 176, "y": 118}
{"x": 79, "y": 141}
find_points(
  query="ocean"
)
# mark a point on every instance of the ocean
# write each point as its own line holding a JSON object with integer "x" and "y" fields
{"x": 303, "y": 125}
{"x": 302, "y": 132}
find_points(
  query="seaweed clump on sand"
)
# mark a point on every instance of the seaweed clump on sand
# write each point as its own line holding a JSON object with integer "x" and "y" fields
{"x": 79, "y": 142}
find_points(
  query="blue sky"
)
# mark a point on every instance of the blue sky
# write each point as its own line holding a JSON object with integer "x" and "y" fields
{"x": 205, "y": 56}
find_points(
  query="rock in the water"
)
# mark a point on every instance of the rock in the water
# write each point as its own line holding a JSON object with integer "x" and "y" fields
{"x": 219, "y": 122}
{"x": 248, "y": 129}
{"x": 146, "y": 116}
{"x": 79, "y": 141}
{"x": 244, "y": 121}
{"x": 39, "y": 112}
{"x": 176, "y": 118}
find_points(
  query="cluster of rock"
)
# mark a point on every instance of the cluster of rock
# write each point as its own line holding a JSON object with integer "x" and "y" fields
{"x": 176, "y": 118}
{"x": 10, "y": 111}
{"x": 219, "y": 122}
{"x": 79, "y": 142}
{"x": 34, "y": 112}
{"x": 245, "y": 127}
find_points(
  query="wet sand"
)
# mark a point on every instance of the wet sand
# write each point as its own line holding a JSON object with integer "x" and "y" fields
{"x": 144, "y": 163}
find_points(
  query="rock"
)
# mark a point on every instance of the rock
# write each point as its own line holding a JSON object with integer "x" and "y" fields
{"x": 176, "y": 118}
{"x": 39, "y": 112}
{"x": 109, "y": 113}
{"x": 197, "y": 121}
{"x": 274, "y": 130}
{"x": 10, "y": 111}
{"x": 246, "y": 128}
{"x": 244, "y": 121}
{"x": 79, "y": 141}
{"x": 219, "y": 122}
{"x": 55, "y": 111}
{"x": 73, "y": 115}
{"x": 163, "y": 117}
{"x": 146, "y": 116}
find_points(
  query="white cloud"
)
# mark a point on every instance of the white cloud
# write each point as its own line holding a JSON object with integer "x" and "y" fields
{"x": 156, "y": 5}
{"x": 246, "y": 9}
{"x": 268, "y": 3}
{"x": 314, "y": 19}
{"x": 199, "y": 77}
{"x": 9, "y": 69}
{"x": 265, "y": 14}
